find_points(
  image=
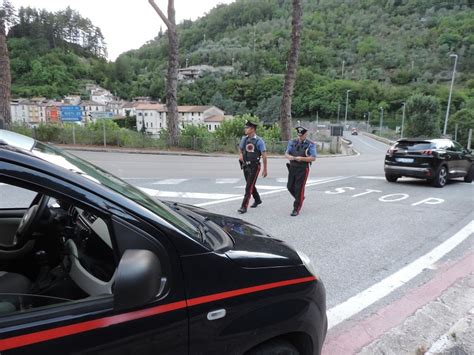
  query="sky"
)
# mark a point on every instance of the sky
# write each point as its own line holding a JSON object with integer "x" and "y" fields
{"x": 126, "y": 24}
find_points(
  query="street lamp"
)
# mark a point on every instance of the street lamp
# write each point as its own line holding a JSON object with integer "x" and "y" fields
{"x": 347, "y": 101}
{"x": 381, "y": 120}
{"x": 450, "y": 92}
{"x": 403, "y": 118}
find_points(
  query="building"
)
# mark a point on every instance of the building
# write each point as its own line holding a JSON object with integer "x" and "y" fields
{"x": 91, "y": 110}
{"x": 24, "y": 111}
{"x": 191, "y": 73}
{"x": 152, "y": 117}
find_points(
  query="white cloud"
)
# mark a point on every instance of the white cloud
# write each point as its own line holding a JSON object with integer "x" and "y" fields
{"x": 126, "y": 24}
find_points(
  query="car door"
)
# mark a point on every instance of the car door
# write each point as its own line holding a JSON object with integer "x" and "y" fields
{"x": 91, "y": 324}
{"x": 464, "y": 163}
{"x": 453, "y": 157}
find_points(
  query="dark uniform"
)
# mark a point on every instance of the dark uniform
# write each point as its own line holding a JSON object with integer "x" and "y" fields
{"x": 298, "y": 171}
{"x": 252, "y": 149}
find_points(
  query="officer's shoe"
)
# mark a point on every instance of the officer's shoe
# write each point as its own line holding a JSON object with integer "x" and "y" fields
{"x": 255, "y": 204}
{"x": 294, "y": 213}
{"x": 242, "y": 210}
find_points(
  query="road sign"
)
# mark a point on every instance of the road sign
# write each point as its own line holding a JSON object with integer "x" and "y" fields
{"x": 337, "y": 130}
{"x": 71, "y": 113}
{"x": 101, "y": 114}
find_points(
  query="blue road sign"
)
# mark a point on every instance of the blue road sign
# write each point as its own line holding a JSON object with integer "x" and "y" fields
{"x": 71, "y": 113}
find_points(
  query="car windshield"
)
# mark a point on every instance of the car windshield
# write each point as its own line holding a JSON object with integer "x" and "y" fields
{"x": 71, "y": 162}
{"x": 415, "y": 146}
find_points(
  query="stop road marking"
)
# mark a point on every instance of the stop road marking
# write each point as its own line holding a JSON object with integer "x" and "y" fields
{"x": 386, "y": 198}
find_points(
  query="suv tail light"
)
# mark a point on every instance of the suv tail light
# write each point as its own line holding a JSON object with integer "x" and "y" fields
{"x": 427, "y": 152}
{"x": 390, "y": 151}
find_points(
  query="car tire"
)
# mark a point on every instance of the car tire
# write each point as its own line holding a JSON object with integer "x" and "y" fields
{"x": 391, "y": 178}
{"x": 275, "y": 347}
{"x": 470, "y": 175}
{"x": 441, "y": 177}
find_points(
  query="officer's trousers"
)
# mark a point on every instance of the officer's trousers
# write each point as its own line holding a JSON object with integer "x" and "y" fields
{"x": 251, "y": 173}
{"x": 297, "y": 176}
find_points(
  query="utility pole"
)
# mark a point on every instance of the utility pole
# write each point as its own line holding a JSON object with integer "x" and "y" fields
{"x": 342, "y": 70}
{"x": 338, "y": 111}
{"x": 403, "y": 118}
{"x": 347, "y": 102}
{"x": 381, "y": 120}
{"x": 456, "y": 132}
{"x": 450, "y": 92}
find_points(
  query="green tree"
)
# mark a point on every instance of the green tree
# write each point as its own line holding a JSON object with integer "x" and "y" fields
{"x": 423, "y": 116}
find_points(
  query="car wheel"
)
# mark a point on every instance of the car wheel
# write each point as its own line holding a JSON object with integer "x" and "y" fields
{"x": 276, "y": 347}
{"x": 441, "y": 177}
{"x": 470, "y": 175}
{"x": 391, "y": 178}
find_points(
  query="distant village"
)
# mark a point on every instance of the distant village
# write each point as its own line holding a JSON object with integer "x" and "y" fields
{"x": 150, "y": 115}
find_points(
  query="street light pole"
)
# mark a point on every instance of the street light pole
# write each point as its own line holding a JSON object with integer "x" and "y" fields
{"x": 381, "y": 120}
{"x": 368, "y": 118}
{"x": 403, "y": 118}
{"x": 338, "y": 111}
{"x": 450, "y": 92}
{"x": 347, "y": 101}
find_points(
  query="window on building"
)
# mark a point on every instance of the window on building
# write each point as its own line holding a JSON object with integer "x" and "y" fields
{"x": 151, "y": 124}
{"x": 146, "y": 113}
{"x": 160, "y": 124}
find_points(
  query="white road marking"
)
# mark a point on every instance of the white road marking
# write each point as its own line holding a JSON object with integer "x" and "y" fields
{"x": 195, "y": 195}
{"x": 368, "y": 191}
{"x": 285, "y": 180}
{"x": 283, "y": 189}
{"x": 261, "y": 187}
{"x": 371, "y": 177}
{"x": 170, "y": 182}
{"x": 429, "y": 201}
{"x": 227, "y": 181}
{"x": 393, "y": 197}
{"x": 364, "y": 299}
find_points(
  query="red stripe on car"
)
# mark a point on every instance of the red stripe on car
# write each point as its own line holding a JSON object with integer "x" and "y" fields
{"x": 59, "y": 332}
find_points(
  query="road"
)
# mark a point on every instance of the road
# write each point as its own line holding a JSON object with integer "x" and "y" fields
{"x": 358, "y": 229}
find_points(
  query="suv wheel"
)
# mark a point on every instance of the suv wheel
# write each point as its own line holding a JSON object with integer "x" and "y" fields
{"x": 276, "y": 347}
{"x": 470, "y": 175}
{"x": 441, "y": 177}
{"x": 391, "y": 178}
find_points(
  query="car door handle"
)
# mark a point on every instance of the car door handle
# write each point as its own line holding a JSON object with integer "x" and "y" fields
{"x": 217, "y": 314}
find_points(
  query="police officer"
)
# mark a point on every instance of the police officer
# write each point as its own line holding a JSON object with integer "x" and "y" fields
{"x": 300, "y": 152}
{"x": 251, "y": 147}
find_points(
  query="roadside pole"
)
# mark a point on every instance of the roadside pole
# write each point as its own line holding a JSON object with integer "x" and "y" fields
{"x": 456, "y": 132}
{"x": 469, "y": 138}
{"x": 74, "y": 134}
{"x": 105, "y": 139}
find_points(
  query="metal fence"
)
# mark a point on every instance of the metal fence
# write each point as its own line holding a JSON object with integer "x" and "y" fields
{"x": 113, "y": 137}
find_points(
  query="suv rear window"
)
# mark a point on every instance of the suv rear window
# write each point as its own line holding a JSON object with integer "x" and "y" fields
{"x": 414, "y": 146}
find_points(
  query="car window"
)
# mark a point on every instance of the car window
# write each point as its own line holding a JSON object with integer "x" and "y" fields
{"x": 12, "y": 197}
{"x": 72, "y": 257}
{"x": 414, "y": 146}
{"x": 458, "y": 147}
{"x": 444, "y": 145}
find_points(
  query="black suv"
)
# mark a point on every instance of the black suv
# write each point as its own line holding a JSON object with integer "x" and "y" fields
{"x": 436, "y": 160}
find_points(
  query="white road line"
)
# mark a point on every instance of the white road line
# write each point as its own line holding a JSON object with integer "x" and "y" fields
{"x": 283, "y": 189}
{"x": 371, "y": 177}
{"x": 170, "y": 182}
{"x": 364, "y": 299}
{"x": 285, "y": 180}
{"x": 195, "y": 195}
{"x": 227, "y": 181}
{"x": 262, "y": 187}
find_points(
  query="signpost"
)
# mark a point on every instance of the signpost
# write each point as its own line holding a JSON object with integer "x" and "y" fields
{"x": 71, "y": 113}
{"x": 101, "y": 114}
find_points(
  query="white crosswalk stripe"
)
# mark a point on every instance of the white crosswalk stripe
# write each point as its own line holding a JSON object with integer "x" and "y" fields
{"x": 193, "y": 195}
{"x": 170, "y": 182}
{"x": 227, "y": 181}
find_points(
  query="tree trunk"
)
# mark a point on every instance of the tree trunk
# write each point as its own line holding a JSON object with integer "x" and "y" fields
{"x": 172, "y": 75}
{"x": 290, "y": 76}
{"x": 5, "y": 78}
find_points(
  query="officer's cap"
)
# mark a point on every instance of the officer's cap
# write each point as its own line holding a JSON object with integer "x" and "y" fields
{"x": 249, "y": 124}
{"x": 301, "y": 130}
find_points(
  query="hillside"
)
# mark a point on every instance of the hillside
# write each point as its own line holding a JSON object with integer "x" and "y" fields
{"x": 382, "y": 50}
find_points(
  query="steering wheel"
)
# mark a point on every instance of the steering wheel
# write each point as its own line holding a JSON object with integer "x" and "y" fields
{"x": 30, "y": 219}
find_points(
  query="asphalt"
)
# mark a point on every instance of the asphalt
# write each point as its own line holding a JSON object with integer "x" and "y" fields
{"x": 440, "y": 321}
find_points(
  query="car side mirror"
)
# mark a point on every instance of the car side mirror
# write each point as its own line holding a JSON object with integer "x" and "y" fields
{"x": 138, "y": 279}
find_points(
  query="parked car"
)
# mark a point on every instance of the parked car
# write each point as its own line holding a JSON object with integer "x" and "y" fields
{"x": 435, "y": 160}
{"x": 95, "y": 266}
{"x": 354, "y": 132}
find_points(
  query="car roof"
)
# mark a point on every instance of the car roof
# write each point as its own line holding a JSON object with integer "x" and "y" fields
{"x": 16, "y": 140}
{"x": 430, "y": 140}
